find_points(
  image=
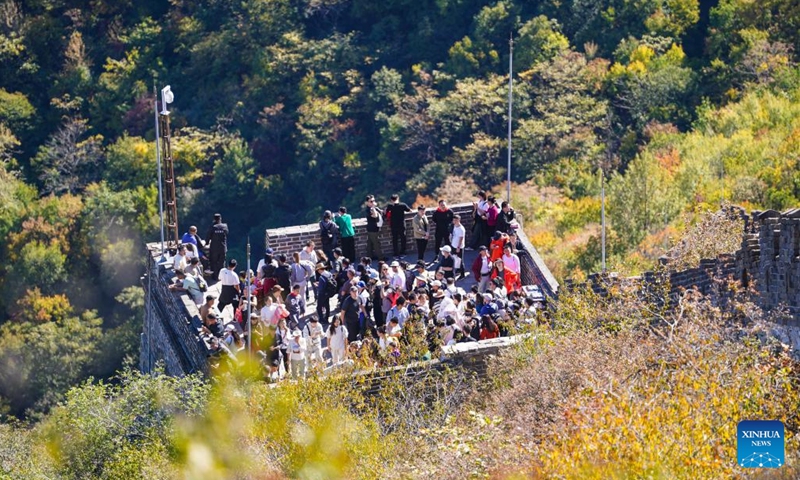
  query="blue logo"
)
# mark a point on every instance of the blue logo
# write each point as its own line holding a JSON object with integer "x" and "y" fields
{"x": 760, "y": 444}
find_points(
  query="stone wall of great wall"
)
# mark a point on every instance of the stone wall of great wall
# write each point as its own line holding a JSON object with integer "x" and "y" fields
{"x": 171, "y": 319}
{"x": 768, "y": 261}
{"x": 169, "y": 334}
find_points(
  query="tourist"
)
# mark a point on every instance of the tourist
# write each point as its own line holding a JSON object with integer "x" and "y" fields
{"x": 346, "y": 233}
{"x": 398, "y": 312}
{"x": 196, "y": 270}
{"x": 313, "y": 333}
{"x": 420, "y": 226}
{"x": 208, "y": 307}
{"x": 374, "y": 217}
{"x": 329, "y": 233}
{"x": 297, "y": 355}
{"x": 511, "y": 260}
{"x": 281, "y": 344}
{"x": 187, "y": 283}
{"x": 489, "y": 328}
{"x": 458, "y": 237}
{"x": 326, "y": 289}
{"x": 443, "y": 218}
{"x": 267, "y": 265}
{"x": 191, "y": 237}
{"x": 179, "y": 260}
{"x": 397, "y": 278}
{"x": 283, "y": 273}
{"x": 396, "y": 214}
{"x": 447, "y": 264}
{"x": 506, "y": 218}
{"x": 229, "y": 293}
{"x": 337, "y": 341}
{"x": 212, "y": 325}
{"x": 302, "y": 271}
{"x": 482, "y": 268}
{"x": 296, "y": 306}
{"x": 492, "y": 212}
{"x": 308, "y": 259}
{"x": 479, "y": 227}
{"x": 349, "y": 314}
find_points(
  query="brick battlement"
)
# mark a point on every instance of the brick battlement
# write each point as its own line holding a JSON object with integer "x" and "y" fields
{"x": 768, "y": 260}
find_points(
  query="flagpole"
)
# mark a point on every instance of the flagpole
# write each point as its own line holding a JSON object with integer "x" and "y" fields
{"x": 510, "y": 99}
{"x": 158, "y": 162}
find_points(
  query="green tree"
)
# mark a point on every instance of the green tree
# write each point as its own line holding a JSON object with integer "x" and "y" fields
{"x": 565, "y": 117}
{"x": 130, "y": 163}
{"x": 538, "y": 40}
{"x": 41, "y": 361}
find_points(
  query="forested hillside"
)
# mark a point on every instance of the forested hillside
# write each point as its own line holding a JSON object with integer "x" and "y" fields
{"x": 285, "y": 108}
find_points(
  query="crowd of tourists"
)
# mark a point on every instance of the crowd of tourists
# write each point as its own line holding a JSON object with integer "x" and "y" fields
{"x": 374, "y": 310}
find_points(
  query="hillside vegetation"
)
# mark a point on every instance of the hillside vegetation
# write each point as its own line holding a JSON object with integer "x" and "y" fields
{"x": 615, "y": 387}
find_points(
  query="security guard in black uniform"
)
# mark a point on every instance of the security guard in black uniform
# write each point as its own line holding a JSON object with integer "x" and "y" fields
{"x": 217, "y": 239}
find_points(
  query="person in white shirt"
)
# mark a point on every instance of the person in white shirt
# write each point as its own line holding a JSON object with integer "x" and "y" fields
{"x": 397, "y": 277}
{"x": 457, "y": 242}
{"x": 511, "y": 260}
{"x": 313, "y": 333}
{"x": 229, "y": 293}
{"x": 190, "y": 252}
{"x": 268, "y": 312}
{"x": 448, "y": 307}
{"x": 393, "y": 328}
{"x": 337, "y": 341}
{"x": 179, "y": 260}
{"x": 297, "y": 355}
{"x": 309, "y": 258}
{"x": 482, "y": 269}
{"x": 308, "y": 253}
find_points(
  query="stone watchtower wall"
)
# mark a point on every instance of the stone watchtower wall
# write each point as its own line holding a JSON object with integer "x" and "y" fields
{"x": 169, "y": 334}
{"x": 775, "y": 261}
{"x": 768, "y": 261}
{"x": 288, "y": 240}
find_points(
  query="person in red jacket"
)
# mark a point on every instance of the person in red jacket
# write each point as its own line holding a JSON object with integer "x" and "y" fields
{"x": 496, "y": 247}
{"x": 489, "y": 328}
{"x": 482, "y": 268}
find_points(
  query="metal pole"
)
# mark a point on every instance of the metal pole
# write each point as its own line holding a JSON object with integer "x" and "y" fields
{"x": 510, "y": 90}
{"x": 158, "y": 162}
{"x": 603, "y": 216}
{"x": 249, "y": 304}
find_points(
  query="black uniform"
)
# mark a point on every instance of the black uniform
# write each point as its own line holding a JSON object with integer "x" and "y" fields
{"x": 443, "y": 220}
{"x": 398, "y": 224}
{"x": 217, "y": 238}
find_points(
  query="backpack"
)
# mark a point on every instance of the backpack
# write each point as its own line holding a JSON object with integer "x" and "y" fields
{"x": 328, "y": 233}
{"x": 331, "y": 288}
{"x": 298, "y": 274}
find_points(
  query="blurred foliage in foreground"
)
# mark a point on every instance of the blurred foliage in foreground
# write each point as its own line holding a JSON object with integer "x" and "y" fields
{"x": 615, "y": 387}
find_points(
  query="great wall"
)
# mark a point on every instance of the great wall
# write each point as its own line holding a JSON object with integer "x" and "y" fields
{"x": 768, "y": 261}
